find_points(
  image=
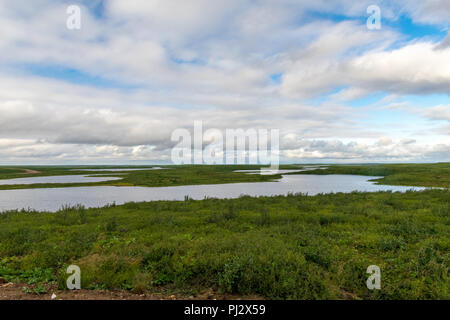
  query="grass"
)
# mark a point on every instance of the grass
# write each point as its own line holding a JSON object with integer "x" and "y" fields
{"x": 172, "y": 176}
{"x": 285, "y": 247}
{"x": 421, "y": 175}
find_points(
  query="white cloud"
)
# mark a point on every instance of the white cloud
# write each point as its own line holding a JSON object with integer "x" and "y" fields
{"x": 168, "y": 63}
{"x": 335, "y": 150}
{"x": 440, "y": 112}
{"x": 413, "y": 69}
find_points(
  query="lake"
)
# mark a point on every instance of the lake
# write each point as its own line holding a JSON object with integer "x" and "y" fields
{"x": 52, "y": 199}
{"x": 271, "y": 171}
{"x": 57, "y": 179}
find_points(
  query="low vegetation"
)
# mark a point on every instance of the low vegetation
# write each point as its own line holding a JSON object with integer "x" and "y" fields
{"x": 285, "y": 247}
{"x": 171, "y": 176}
{"x": 422, "y": 175}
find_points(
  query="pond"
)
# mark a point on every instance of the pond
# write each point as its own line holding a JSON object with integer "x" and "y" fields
{"x": 268, "y": 171}
{"x": 52, "y": 199}
{"x": 57, "y": 179}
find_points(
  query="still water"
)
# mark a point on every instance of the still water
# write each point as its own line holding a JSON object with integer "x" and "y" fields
{"x": 53, "y": 199}
{"x": 57, "y": 179}
{"x": 271, "y": 172}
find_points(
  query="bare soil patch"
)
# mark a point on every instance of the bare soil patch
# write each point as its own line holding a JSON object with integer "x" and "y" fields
{"x": 15, "y": 291}
{"x": 29, "y": 171}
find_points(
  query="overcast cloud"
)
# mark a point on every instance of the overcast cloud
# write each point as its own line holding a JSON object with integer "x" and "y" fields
{"x": 115, "y": 90}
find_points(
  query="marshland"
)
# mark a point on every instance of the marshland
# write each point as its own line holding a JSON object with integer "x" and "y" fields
{"x": 287, "y": 246}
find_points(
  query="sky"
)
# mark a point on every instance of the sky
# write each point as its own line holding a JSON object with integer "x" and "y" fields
{"x": 114, "y": 90}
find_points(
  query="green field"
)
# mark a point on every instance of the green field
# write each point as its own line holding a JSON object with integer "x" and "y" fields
{"x": 173, "y": 176}
{"x": 424, "y": 175}
{"x": 285, "y": 247}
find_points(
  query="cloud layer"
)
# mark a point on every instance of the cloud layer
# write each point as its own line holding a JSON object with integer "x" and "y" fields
{"x": 137, "y": 70}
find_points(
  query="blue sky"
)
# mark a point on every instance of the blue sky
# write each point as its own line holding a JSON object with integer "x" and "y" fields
{"x": 70, "y": 75}
{"x": 115, "y": 89}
